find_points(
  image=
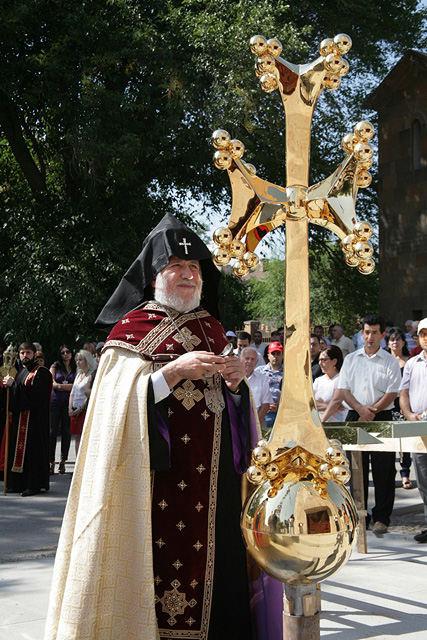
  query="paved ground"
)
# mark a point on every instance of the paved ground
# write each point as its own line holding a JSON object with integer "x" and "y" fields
{"x": 380, "y": 596}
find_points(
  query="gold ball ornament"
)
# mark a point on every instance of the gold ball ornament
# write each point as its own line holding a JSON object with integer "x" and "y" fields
{"x": 250, "y": 168}
{"x": 367, "y": 267}
{"x": 221, "y": 257}
{"x": 274, "y": 47}
{"x": 262, "y": 443}
{"x": 240, "y": 270}
{"x": 334, "y": 442}
{"x": 347, "y": 244}
{"x": 272, "y": 471}
{"x": 250, "y": 259}
{"x": 367, "y": 164}
{"x": 238, "y": 249}
{"x": 326, "y": 47}
{"x": 342, "y": 43}
{"x": 335, "y": 455}
{"x": 237, "y": 149}
{"x": 362, "y": 230}
{"x": 268, "y": 83}
{"x": 258, "y": 45}
{"x": 341, "y": 473}
{"x": 223, "y": 236}
{"x": 352, "y": 261}
{"x": 266, "y": 64}
{"x": 324, "y": 470}
{"x": 363, "y": 250}
{"x": 261, "y": 455}
{"x": 331, "y": 81}
{"x": 364, "y": 179}
{"x": 220, "y": 139}
{"x": 255, "y": 474}
{"x": 288, "y": 546}
{"x": 344, "y": 67}
{"x": 348, "y": 142}
{"x": 333, "y": 63}
{"x": 363, "y": 151}
{"x": 364, "y": 130}
{"x": 222, "y": 160}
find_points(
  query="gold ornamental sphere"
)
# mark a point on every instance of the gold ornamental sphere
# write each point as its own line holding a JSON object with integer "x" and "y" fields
{"x": 221, "y": 256}
{"x": 222, "y": 160}
{"x": 341, "y": 473}
{"x": 258, "y": 45}
{"x": 272, "y": 471}
{"x": 237, "y": 249}
{"x": 364, "y": 179}
{"x": 240, "y": 270}
{"x": 221, "y": 139}
{"x": 223, "y": 236}
{"x": 363, "y": 151}
{"x": 250, "y": 168}
{"x": 363, "y": 250}
{"x": 352, "y": 261}
{"x": 333, "y": 63}
{"x": 326, "y": 47}
{"x": 348, "y": 142}
{"x": 301, "y": 533}
{"x": 364, "y": 130}
{"x": 324, "y": 470}
{"x": 274, "y": 47}
{"x": 331, "y": 81}
{"x": 334, "y": 442}
{"x": 250, "y": 259}
{"x": 367, "y": 164}
{"x": 347, "y": 244}
{"x": 268, "y": 83}
{"x": 237, "y": 149}
{"x": 362, "y": 230}
{"x": 261, "y": 455}
{"x": 335, "y": 455}
{"x": 344, "y": 67}
{"x": 366, "y": 267}
{"x": 266, "y": 64}
{"x": 342, "y": 43}
{"x": 262, "y": 443}
{"x": 255, "y": 474}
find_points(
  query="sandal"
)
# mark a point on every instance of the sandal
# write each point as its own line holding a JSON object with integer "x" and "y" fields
{"x": 406, "y": 483}
{"x": 61, "y": 467}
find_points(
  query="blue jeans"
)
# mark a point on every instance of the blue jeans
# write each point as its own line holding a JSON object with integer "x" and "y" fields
{"x": 59, "y": 416}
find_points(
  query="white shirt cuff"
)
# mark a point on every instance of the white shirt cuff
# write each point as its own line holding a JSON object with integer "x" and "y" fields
{"x": 160, "y": 386}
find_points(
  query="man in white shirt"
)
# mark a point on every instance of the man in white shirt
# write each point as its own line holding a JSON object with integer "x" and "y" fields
{"x": 368, "y": 384}
{"x": 258, "y": 382}
{"x": 258, "y": 344}
{"x": 344, "y": 343}
{"x": 413, "y": 404}
{"x": 243, "y": 341}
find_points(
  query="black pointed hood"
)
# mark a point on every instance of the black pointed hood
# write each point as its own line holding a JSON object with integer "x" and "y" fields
{"x": 170, "y": 237}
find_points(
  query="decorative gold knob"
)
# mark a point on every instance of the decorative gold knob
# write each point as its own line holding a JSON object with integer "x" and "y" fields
{"x": 223, "y": 236}
{"x": 222, "y": 160}
{"x": 362, "y": 230}
{"x": 221, "y": 257}
{"x": 366, "y": 267}
{"x": 221, "y": 139}
{"x": 258, "y": 45}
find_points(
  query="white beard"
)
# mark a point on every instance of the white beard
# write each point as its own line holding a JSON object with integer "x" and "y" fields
{"x": 172, "y": 299}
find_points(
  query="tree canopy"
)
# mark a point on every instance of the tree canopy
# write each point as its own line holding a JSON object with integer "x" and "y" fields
{"x": 106, "y": 110}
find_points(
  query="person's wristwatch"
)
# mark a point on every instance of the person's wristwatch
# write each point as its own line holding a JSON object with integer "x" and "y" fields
{"x": 59, "y": 387}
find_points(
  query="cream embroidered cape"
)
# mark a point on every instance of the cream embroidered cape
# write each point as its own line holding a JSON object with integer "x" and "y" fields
{"x": 103, "y": 583}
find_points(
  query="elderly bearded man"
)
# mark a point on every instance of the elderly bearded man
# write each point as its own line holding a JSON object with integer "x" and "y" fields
{"x": 160, "y": 556}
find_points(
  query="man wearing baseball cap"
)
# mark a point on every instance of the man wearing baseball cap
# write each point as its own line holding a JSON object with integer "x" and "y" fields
{"x": 274, "y": 371}
{"x": 413, "y": 404}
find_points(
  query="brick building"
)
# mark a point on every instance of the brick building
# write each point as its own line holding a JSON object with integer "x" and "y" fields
{"x": 401, "y": 103}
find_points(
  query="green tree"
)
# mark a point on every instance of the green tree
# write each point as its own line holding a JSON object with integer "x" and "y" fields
{"x": 267, "y": 293}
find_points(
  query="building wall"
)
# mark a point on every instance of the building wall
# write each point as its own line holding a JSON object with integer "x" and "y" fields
{"x": 402, "y": 194}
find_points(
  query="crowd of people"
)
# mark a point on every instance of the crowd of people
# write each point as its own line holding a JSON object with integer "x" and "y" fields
{"x": 44, "y": 402}
{"x": 354, "y": 379}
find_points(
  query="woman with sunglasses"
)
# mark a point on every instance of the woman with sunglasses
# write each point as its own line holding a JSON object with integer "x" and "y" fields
{"x": 63, "y": 373}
